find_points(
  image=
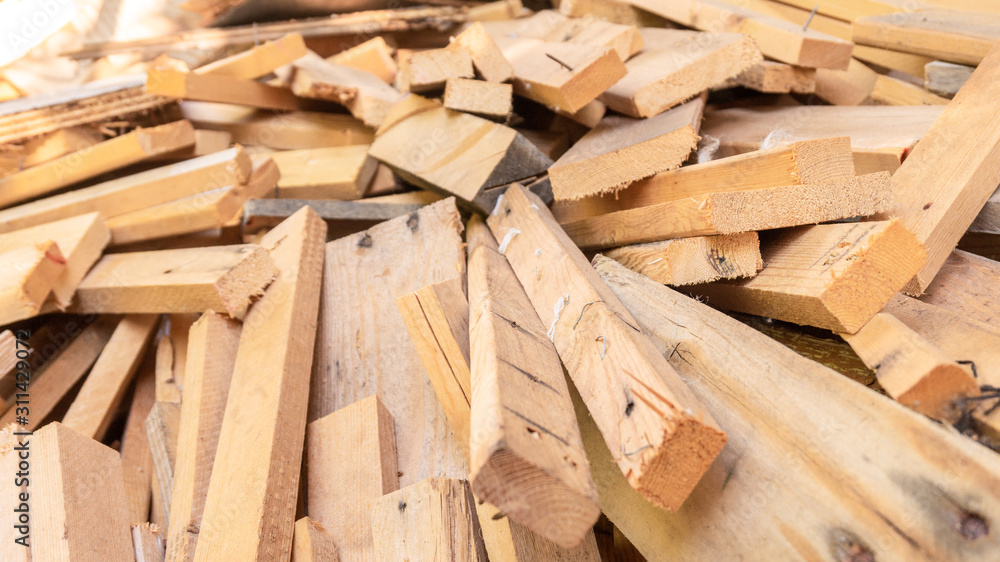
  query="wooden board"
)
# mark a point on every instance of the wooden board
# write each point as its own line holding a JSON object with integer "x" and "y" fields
{"x": 893, "y": 91}
{"x": 850, "y": 87}
{"x": 260, "y": 60}
{"x": 368, "y": 349}
{"x": 265, "y": 419}
{"x": 162, "y": 427}
{"x": 48, "y": 147}
{"x": 173, "y": 83}
{"x": 676, "y": 66}
{"x": 342, "y": 217}
{"x": 967, "y": 284}
{"x": 147, "y": 542}
{"x": 549, "y": 25}
{"x": 340, "y": 172}
{"x": 365, "y": 95}
{"x": 661, "y": 438}
{"x": 834, "y": 276}
{"x": 486, "y": 99}
{"x": 613, "y": 11}
{"x": 488, "y": 60}
{"x": 129, "y": 193}
{"x": 137, "y": 459}
{"x": 952, "y": 36}
{"x": 773, "y": 77}
{"x": 622, "y": 150}
{"x": 427, "y": 71}
{"x": 374, "y": 56}
{"x": 221, "y": 278}
{"x": 28, "y": 279}
{"x": 945, "y": 78}
{"x": 700, "y": 259}
{"x": 312, "y": 543}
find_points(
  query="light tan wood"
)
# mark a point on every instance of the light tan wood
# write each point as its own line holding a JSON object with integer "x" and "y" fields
{"x": 48, "y": 147}
{"x": 28, "y": 279}
{"x": 129, "y": 193}
{"x": 72, "y": 476}
{"x": 967, "y": 284}
{"x": 488, "y": 60}
{"x": 432, "y": 519}
{"x": 97, "y": 402}
{"x": 948, "y": 35}
{"x": 527, "y": 456}
{"x": 662, "y": 439}
{"x": 368, "y": 348}
{"x": 167, "y": 387}
{"x": 678, "y": 65}
{"x": 488, "y": 99}
{"x": 893, "y": 91}
{"x": 137, "y": 459}
{"x": 340, "y": 172}
{"x": 460, "y": 155}
{"x": 264, "y": 423}
{"x": 945, "y": 78}
{"x": 988, "y": 219}
{"x": 344, "y": 489}
{"x": 850, "y": 87}
{"x": 148, "y": 543}
{"x": 700, "y": 259}
{"x": 622, "y": 150}
{"x": 162, "y": 427}
{"x": 426, "y": 71}
{"x": 92, "y": 161}
{"x": 778, "y": 78}
{"x": 834, "y": 276}
{"x": 312, "y": 543}
{"x": 173, "y": 83}
{"x": 17, "y": 537}
{"x": 373, "y": 56}
{"x": 258, "y": 61}
{"x": 222, "y": 278}
{"x": 869, "y": 161}
{"x": 366, "y": 96}
{"x": 737, "y": 211}
{"x": 212, "y": 346}
{"x": 777, "y": 404}
{"x": 613, "y": 11}
{"x": 548, "y": 25}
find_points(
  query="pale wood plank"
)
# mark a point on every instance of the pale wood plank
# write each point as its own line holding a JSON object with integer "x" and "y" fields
{"x": 312, "y": 543}
{"x": 169, "y": 82}
{"x": 260, "y": 60}
{"x": 366, "y": 96}
{"x": 777, "y": 78}
{"x": 967, "y": 284}
{"x": 700, "y": 259}
{"x": 284, "y": 131}
{"x": 31, "y": 273}
{"x": 488, "y": 60}
{"x": 426, "y": 71}
{"x": 137, "y": 458}
{"x": 374, "y": 55}
{"x": 162, "y": 426}
{"x": 487, "y": 99}
{"x": 340, "y": 172}
{"x": 148, "y": 543}
{"x": 948, "y": 35}
{"x": 893, "y": 91}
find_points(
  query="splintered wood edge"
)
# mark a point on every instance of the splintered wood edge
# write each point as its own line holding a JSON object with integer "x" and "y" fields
{"x": 246, "y": 281}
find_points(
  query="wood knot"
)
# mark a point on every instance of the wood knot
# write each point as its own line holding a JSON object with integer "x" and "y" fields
{"x": 848, "y": 547}
{"x": 973, "y": 527}
{"x": 402, "y": 506}
{"x": 413, "y": 223}
{"x": 365, "y": 241}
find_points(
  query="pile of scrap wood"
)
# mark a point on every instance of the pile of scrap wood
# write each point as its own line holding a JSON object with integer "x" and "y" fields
{"x": 598, "y": 280}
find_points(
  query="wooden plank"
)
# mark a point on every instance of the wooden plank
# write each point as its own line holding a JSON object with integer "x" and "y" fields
{"x": 48, "y": 147}
{"x": 213, "y": 342}
{"x": 944, "y": 182}
{"x": 470, "y": 153}
{"x": 339, "y": 172}
{"x": 967, "y": 284}
{"x": 28, "y": 279}
{"x": 827, "y": 429}
{"x": 374, "y": 56}
{"x": 613, "y": 11}
{"x": 137, "y": 459}
{"x": 610, "y": 156}
{"x": 945, "y": 78}
{"x": 92, "y": 161}
{"x": 700, "y": 259}
{"x": 834, "y": 276}
{"x": 162, "y": 427}
{"x": 223, "y": 278}
{"x": 174, "y": 83}
{"x": 549, "y": 25}
{"x": 264, "y": 423}
{"x": 122, "y": 195}
{"x": 343, "y": 491}
{"x": 434, "y": 518}
{"x": 95, "y": 405}
{"x": 488, "y": 60}
{"x": 527, "y": 456}
{"x": 195, "y": 213}
{"x": 676, "y": 66}
{"x": 363, "y": 276}
{"x": 260, "y": 60}
{"x": 284, "y": 131}
{"x": 778, "y": 78}
{"x": 148, "y": 543}
{"x": 427, "y": 71}
{"x": 342, "y": 217}
{"x": 312, "y": 543}
{"x": 893, "y": 91}
{"x": 73, "y": 476}
{"x": 366, "y": 96}
{"x": 486, "y": 99}
{"x": 853, "y": 86}
{"x": 948, "y": 35}
{"x": 661, "y": 438}
{"x": 736, "y": 212}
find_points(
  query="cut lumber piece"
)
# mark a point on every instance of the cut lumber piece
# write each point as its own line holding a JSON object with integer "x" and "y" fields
{"x": 613, "y": 11}
{"x": 73, "y": 476}
{"x": 366, "y": 96}
{"x": 505, "y": 539}
{"x": 362, "y": 277}
{"x": 526, "y": 454}
{"x": 778, "y": 78}
{"x": 137, "y": 458}
{"x": 948, "y": 35}
{"x": 967, "y": 284}
{"x": 61, "y": 374}
{"x": 167, "y": 386}
{"x": 893, "y": 91}
{"x": 426, "y": 71}
{"x": 122, "y": 195}
{"x": 284, "y": 131}
{"x": 15, "y": 546}
{"x": 312, "y": 543}
{"x": 548, "y": 25}
{"x": 803, "y": 162}
{"x": 28, "y": 278}
{"x": 432, "y": 519}
{"x": 162, "y": 428}
{"x": 259, "y": 455}
{"x": 988, "y": 219}
{"x": 222, "y": 278}
{"x": 205, "y": 143}
{"x": 853, "y": 86}
{"x": 95, "y": 405}
{"x": 80, "y": 239}
{"x": 777, "y": 39}
{"x": 732, "y": 212}
{"x": 676, "y": 66}
{"x": 344, "y": 490}
{"x": 487, "y": 99}
{"x": 212, "y": 347}
{"x": 911, "y": 370}
{"x": 374, "y": 56}
{"x": 148, "y": 542}
{"x": 338, "y": 172}
{"x": 945, "y": 78}
{"x": 540, "y": 187}
{"x": 869, "y": 161}
{"x": 661, "y": 438}
{"x": 834, "y": 276}
{"x": 48, "y": 147}
{"x": 342, "y": 217}
{"x": 944, "y": 182}
{"x": 488, "y": 60}
{"x": 700, "y": 259}
{"x": 94, "y": 160}
{"x": 889, "y": 511}
{"x": 622, "y": 150}
{"x": 462, "y": 155}
{"x": 120, "y": 97}
{"x": 220, "y": 89}
{"x": 195, "y": 213}
{"x": 437, "y": 318}
{"x": 260, "y": 60}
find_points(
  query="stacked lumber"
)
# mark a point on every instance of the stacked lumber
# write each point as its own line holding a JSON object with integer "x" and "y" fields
{"x": 580, "y": 280}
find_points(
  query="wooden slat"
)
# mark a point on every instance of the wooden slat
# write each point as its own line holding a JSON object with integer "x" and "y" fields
{"x": 260, "y": 60}
{"x": 662, "y": 439}
{"x": 548, "y": 25}
{"x": 952, "y": 36}
{"x": 342, "y": 217}
{"x": 778, "y": 78}
{"x": 488, "y": 60}
{"x": 137, "y": 459}
{"x": 173, "y": 83}
{"x": 284, "y": 131}
{"x": 486, "y": 99}
{"x": 264, "y": 423}
{"x": 366, "y": 96}
{"x": 340, "y": 172}
{"x": 893, "y": 91}
{"x": 427, "y": 71}
{"x": 148, "y": 543}
{"x": 312, "y": 543}
{"x": 26, "y": 282}
{"x": 967, "y": 284}
{"x": 374, "y": 56}
{"x": 850, "y": 87}
{"x": 700, "y": 259}
{"x": 48, "y": 147}
{"x": 162, "y": 427}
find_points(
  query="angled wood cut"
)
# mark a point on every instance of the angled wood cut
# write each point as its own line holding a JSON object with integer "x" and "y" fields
{"x": 148, "y": 542}
{"x": 339, "y": 172}
{"x": 374, "y": 56}
{"x": 162, "y": 427}
{"x": 699, "y": 259}
{"x": 487, "y": 58}
{"x": 260, "y": 60}
{"x": 312, "y": 543}
{"x": 366, "y": 96}
{"x": 28, "y": 278}
{"x": 425, "y": 71}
